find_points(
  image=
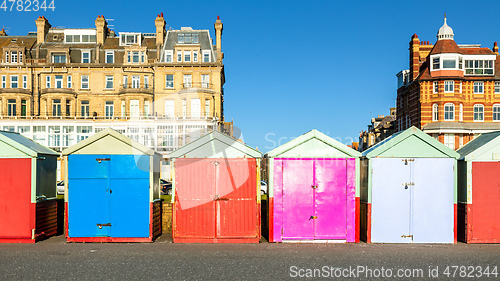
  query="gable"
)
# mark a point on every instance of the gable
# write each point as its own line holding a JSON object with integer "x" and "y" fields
{"x": 108, "y": 145}
{"x": 6, "y": 150}
{"x": 412, "y": 146}
{"x": 215, "y": 149}
{"x": 313, "y": 148}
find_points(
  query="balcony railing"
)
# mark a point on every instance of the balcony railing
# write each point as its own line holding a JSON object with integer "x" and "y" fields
{"x": 102, "y": 116}
{"x": 197, "y": 86}
{"x": 136, "y": 88}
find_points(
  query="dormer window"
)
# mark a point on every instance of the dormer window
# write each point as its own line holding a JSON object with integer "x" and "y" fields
{"x": 127, "y": 39}
{"x": 187, "y": 38}
{"x": 13, "y": 56}
{"x": 449, "y": 62}
{"x": 479, "y": 67}
{"x": 135, "y": 57}
{"x": 73, "y": 36}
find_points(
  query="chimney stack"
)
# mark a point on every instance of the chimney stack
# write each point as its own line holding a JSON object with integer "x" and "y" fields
{"x": 218, "y": 35}
{"x": 102, "y": 29}
{"x": 160, "y": 29}
{"x": 495, "y": 48}
{"x": 414, "y": 57}
{"x": 42, "y": 28}
{"x": 3, "y": 33}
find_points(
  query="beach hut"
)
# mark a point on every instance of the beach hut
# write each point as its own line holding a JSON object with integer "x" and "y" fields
{"x": 479, "y": 190}
{"x": 216, "y": 191}
{"x": 28, "y": 204}
{"x": 408, "y": 190}
{"x": 112, "y": 190}
{"x": 313, "y": 190}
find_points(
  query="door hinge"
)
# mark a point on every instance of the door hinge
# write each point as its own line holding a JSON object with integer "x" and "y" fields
{"x": 314, "y": 186}
{"x": 406, "y": 236}
{"x": 313, "y": 217}
{"x": 407, "y": 160}
{"x": 102, "y": 159}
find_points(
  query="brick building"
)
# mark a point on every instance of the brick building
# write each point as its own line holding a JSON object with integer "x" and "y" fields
{"x": 450, "y": 91}
{"x": 61, "y": 85}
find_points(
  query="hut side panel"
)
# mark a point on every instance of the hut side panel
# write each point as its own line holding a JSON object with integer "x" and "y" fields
{"x": 485, "y": 208}
{"x": 16, "y": 210}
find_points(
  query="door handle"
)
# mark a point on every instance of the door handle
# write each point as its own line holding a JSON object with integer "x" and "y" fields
{"x": 223, "y": 199}
{"x": 314, "y": 186}
{"x": 109, "y": 190}
{"x": 102, "y": 159}
{"x": 313, "y": 217}
{"x": 100, "y": 225}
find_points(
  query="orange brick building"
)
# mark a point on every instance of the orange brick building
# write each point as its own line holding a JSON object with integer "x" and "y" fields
{"x": 451, "y": 91}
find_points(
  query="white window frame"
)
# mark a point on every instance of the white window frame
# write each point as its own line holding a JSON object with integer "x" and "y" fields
{"x": 187, "y": 56}
{"x": 482, "y": 112}
{"x": 461, "y": 113}
{"x": 179, "y": 56}
{"x": 449, "y": 141}
{"x": 58, "y": 80}
{"x": 205, "y": 81}
{"x": 13, "y": 57}
{"x": 109, "y": 109}
{"x": 84, "y": 85}
{"x": 478, "y": 87}
{"x": 184, "y": 108}
{"x": 497, "y": 107}
{"x": 449, "y": 86}
{"x": 497, "y": 87}
{"x": 14, "y": 83}
{"x": 207, "y": 108}
{"x": 136, "y": 81}
{"x": 195, "y": 56}
{"x": 206, "y": 52}
{"x": 112, "y": 53}
{"x": 460, "y": 90}
{"x": 167, "y": 82}
{"x": 146, "y": 108}
{"x": 25, "y": 81}
{"x": 85, "y": 108}
{"x": 124, "y": 35}
{"x": 195, "y": 108}
{"x": 188, "y": 81}
{"x": 4, "y": 81}
{"x": 69, "y": 82}
{"x": 435, "y": 112}
{"x": 54, "y": 55}
{"x": 169, "y": 56}
{"x": 83, "y": 58}
{"x": 125, "y": 81}
{"x": 109, "y": 79}
{"x": 47, "y": 81}
{"x": 169, "y": 108}
{"x": 452, "y": 112}
{"x": 146, "y": 81}
{"x": 435, "y": 87}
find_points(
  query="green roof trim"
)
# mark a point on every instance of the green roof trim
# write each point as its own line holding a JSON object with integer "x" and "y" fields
{"x": 25, "y": 145}
{"x": 479, "y": 146}
{"x": 411, "y": 142}
{"x": 313, "y": 135}
{"x": 102, "y": 134}
{"x": 210, "y": 145}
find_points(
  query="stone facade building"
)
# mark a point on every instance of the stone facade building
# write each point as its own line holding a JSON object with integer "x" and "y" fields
{"x": 163, "y": 89}
{"x": 450, "y": 91}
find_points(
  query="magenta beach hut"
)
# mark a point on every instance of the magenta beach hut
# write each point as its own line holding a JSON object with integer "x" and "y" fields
{"x": 313, "y": 190}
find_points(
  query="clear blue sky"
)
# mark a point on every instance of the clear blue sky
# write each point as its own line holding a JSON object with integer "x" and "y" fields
{"x": 293, "y": 66}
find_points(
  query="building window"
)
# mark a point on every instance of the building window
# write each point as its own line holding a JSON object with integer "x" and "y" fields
{"x": 69, "y": 83}
{"x": 184, "y": 108}
{"x": 195, "y": 108}
{"x": 13, "y": 57}
{"x": 59, "y": 81}
{"x": 497, "y": 87}
{"x": 86, "y": 57}
{"x": 207, "y": 108}
{"x": 4, "y": 81}
{"x": 187, "y": 81}
{"x": 125, "y": 82}
{"x": 135, "y": 57}
{"x": 68, "y": 136}
{"x": 123, "y": 108}
{"x": 169, "y": 56}
{"x": 109, "y": 109}
{"x": 436, "y": 87}
{"x": 460, "y": 90}
{"x": 449, "y": 112}
{"x": 195, "y": 56}
{"x": 479, "y": 67}
{"x": 14, "y": 81}
{"x": 143, "y": 56}
{"x": 188, "y": 38}
{"x": 435, "y": 112}
{"x": 461, "y": 113}
{"x": 205, "y": 78}
{"x": 110, "y": 57}
{"x": 169, "y": 108}
{"x": 449, "y": 62}
{"x": 169, "y": 81}
{"x": 478, "y": 112}
{"x": 85, "y": 108}
{"x": 478, "y": 87}
{"x": 85, "y": 82}
{"x": 449, "y": 140}
{"x": 11, "y": 107}
{"x": 179, "y": 56}
{"x": 449, "y": 86}
{"x": 68, "y": 108}
{"x": 47, "y": 81}
{"x": 54, "y": 136}
{"x": 127, "y": 39}
{"x": 146, "y": 108}
{"x": 146, "y": 82}
{"x": 25, "y": 82}
{"x": 136, "y": 81}
{"x": 187, "y": 56}
{"x": 134, "y": 108}
{"x": 435, "y": 63}
{"x": 56, "y": 108}
{"x": 206, "y": 56}
{"x": 58, "y": 58}
{"x": 496, "y": 112}
{"x": 81, "y": 38}
{"x": 109, "y": 82}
